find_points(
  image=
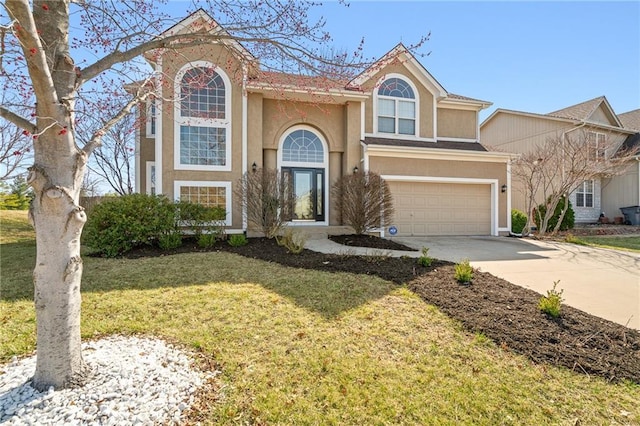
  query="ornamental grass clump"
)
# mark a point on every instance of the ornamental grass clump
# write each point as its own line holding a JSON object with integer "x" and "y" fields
{"x": 552, "y": 302}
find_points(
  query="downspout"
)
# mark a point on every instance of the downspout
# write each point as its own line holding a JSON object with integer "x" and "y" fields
{"x": 137, "y": 153}
{"x": 245, "y": 139}
{"x": 158, "y": 136}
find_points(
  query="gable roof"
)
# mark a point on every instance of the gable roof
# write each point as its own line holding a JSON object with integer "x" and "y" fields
{"x": 209, "y": 25}
{"x": 584, "y": 110}
{"x": 631, "y": 119}
{"x": 400, "y": 52}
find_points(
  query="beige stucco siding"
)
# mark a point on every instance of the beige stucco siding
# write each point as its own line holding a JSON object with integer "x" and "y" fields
{"x": 146, "y": 149}
{"x": 455, "y": 123}
{"x": 279, "y": 116}
{"x": 425, "y": 100}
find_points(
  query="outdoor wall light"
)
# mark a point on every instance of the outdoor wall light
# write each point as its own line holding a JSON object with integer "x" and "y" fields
{"x": 254, "y": 167}
{"x": 355, "y": 170}
{"x": 503, "y": 188}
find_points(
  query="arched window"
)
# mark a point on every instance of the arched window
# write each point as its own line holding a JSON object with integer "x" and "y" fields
{"x": 302, "y": 146}
{"x": 203, "y": 125}
{"x": 396, "y": 105}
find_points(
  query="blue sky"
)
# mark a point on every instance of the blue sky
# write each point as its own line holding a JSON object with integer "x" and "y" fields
{"x": 530, "y": 56}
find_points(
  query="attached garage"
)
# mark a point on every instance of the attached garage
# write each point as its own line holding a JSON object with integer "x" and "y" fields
{"x": 442, "y": 208}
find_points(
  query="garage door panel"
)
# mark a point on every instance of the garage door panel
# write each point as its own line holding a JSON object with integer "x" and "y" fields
{"x": 424, "y": 208}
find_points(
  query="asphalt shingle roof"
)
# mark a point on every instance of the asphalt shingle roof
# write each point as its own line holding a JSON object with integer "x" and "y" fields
{"x": 581, "y": 111}
{"x": 631, "y": 119}
{"x": 462, "y": 146}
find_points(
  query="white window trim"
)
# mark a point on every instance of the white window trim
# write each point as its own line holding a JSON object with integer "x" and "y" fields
{"x": 596, "y": 137}
{"x": 149, "y": 184}
{"x": 151, "y": 118}
{"x": 375, "y": 108}
{"x": 581, "y": 190}
{"x": 324, "y": 165}
{"x": 195, "y": 121}
{"x": 209, "y": 184}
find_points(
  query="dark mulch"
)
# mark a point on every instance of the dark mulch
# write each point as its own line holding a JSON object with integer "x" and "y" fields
{"x": 502, "y": 311}
{"x": 369, "y": 241}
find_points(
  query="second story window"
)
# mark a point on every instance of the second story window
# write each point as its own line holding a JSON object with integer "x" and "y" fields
{"x": 203, "y": 124}
{"x": 396, "y": 102}
{"x": 597, "y": 145}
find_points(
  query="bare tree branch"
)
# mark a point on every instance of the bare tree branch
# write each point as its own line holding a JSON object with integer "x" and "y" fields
{"x": 18, "y": 120}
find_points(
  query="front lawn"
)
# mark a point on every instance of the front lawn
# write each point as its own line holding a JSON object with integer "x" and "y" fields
{"x": 623, "y": 242}
{"x": 301, "y": 346}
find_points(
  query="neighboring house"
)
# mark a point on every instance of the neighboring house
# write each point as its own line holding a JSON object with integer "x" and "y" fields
{"x": 394, "y": 119}
{"x": 520, "y": 132}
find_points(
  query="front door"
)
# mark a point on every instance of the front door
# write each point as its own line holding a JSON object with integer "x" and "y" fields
{"x": 308, "y": 193}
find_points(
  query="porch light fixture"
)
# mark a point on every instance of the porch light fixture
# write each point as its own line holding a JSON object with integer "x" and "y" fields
{"x": 254, "y": 167}
{"x": 355, "y": 170}
{"x": 503, "y": 188}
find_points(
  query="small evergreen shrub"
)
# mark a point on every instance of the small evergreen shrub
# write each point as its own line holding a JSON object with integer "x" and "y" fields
{"x": 293, "y": 241}
{"x": 425, "y": 260}
{"x": 237, "y": 240}
{"x": 518, "y": 221}
{"x": 464, "y": 272}
{"x": 567, "y": 222}
{"x": 198, "y": 218}
{"x": 170, "y": 241}
{"x": 120, "y": 224}
{"x": 207, "y": 240}
{"x": 552, "y": 302}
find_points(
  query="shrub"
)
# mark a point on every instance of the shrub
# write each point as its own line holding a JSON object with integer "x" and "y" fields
{"x": 552, "y": 302}
{"x": 364, "y": 201}
{"x": 425, "y": 260}
{"x": 207, "y": 240}
{"x": 170, "y": 240}
{"x": 199, "y": 218}
{"x": 237, "y": 240}
{"x": 268, "y": 198}
{"x": 293, "y": 241}
{"x": 119, "y": 224}
{"x": 464, "y": 271}
{"x": 567, "y": 222}
{"x": 518, "y": 221}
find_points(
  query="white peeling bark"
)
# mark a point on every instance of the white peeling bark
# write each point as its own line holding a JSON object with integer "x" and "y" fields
{"x": 58, "y": 222}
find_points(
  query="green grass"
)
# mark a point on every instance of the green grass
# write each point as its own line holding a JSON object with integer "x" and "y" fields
{"x": 619, "y": 242}
{"x": 306, "y": 347}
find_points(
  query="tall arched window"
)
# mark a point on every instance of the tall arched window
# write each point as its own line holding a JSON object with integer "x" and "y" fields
{"x": 203, "y": 125}
{"x": 396, "y": 106}
{"x": 303, "y": 160}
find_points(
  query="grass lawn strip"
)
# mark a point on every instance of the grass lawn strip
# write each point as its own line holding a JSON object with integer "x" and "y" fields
{"x": 300, "y": 346}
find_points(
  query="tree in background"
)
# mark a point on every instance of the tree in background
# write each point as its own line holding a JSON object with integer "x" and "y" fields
{"x": 16, "y": 196}
{"x": 15, "y": 149}
{"x": 364, "y": 201}
{"x": 553, "y": 170}
{"x": 42, "y": 63}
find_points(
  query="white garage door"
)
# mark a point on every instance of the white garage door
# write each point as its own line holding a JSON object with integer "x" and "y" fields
{"x": 441, "y": 208}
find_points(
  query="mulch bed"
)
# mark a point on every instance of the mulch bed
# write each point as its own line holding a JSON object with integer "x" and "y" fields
{"x": 502, "y": 311}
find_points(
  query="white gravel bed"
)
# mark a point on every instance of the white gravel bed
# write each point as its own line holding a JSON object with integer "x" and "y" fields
{"x": 136, "y": 381}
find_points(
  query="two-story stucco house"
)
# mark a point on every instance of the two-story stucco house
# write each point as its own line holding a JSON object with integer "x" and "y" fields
{"x": 218, "y": 116}
{"x": 594, "y": 120}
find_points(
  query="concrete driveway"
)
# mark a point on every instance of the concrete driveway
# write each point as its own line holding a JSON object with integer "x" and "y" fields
{"x": 602, "y": 282}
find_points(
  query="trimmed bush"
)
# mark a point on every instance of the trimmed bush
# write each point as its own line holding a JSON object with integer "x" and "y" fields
{"x": 567, "y": 222}
{"x": 119, "y": 224}
{"x": 463, "y": 272}
{"x": 518, "y": 221}
{"x": 237, "y": 240}
{"x": 552, "y": 302}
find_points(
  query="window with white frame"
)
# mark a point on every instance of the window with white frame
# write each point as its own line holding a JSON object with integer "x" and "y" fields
{"x": 203, "y": 125}
{"x": 151, "y": 177}
{"x": 396, "y": 107}
{"x": 209, "y": 194}
{"x": 151, "y": 117}
{"x": 584, "y": 194}
{"x": 597, "y": 145}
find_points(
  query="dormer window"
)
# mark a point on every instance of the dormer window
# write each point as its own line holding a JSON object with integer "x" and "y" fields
{"x": 396, "y": 105}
